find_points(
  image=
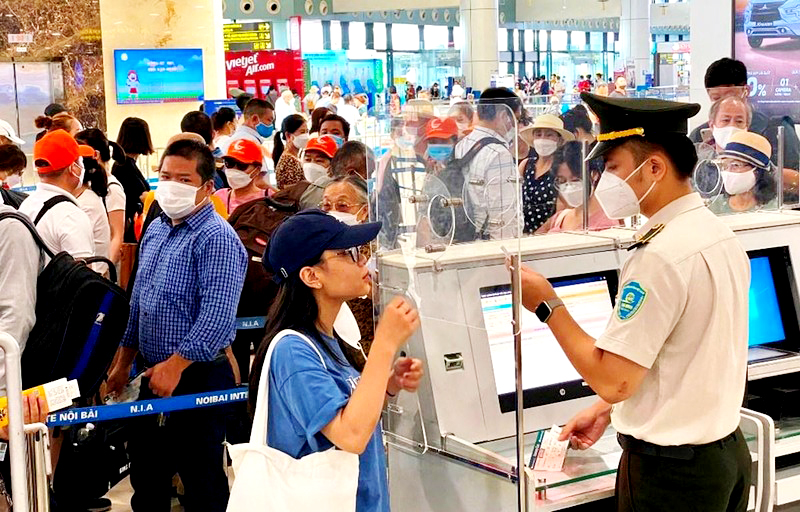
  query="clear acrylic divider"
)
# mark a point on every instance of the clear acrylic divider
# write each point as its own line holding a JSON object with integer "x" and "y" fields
{"x": 439, "y": 210}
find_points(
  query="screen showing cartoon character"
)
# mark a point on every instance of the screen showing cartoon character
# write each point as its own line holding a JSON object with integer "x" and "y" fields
{"x": 158, "y": 75}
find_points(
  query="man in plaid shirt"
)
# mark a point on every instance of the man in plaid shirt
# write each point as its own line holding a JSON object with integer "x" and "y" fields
{"x": 492, "y": 180}
{"x": 183, "y": 316}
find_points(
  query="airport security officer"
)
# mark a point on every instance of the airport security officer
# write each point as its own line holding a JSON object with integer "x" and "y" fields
{"x": 670, "y": 369}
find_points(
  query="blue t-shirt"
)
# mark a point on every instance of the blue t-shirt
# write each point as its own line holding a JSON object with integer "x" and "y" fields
{"x": 304, "y": 397}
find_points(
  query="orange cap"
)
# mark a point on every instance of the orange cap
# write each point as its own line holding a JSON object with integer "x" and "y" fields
{"x": 58, "y": 149}
{"x": 324, "y": 144}
{"x": 441, "y": 128}
{"x": 245, "y": 151}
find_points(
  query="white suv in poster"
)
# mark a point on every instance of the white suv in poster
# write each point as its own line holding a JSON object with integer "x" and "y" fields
{"x": 771, "y": 19}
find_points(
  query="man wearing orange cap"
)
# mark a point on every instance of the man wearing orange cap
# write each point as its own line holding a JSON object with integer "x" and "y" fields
{"x": 242, "y": 166}
{"x": 316, "y": 168}
{"x": 62, "y": 224}
{"x": 441, "y": 136}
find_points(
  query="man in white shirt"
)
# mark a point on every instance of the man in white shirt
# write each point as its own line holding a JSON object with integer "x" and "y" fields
{"x": 348, "y": 111}
{"x": 258, "y": 123}
{"x": 492, "y": 178}
{"x": 673, "y": 358}
{"x": 52, "y": 207}
{"x": 284, "y": 107}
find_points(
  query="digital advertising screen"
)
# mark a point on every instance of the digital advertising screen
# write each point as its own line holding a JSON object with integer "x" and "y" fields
{"x": 766, "y": 323}
{"x": 158, "y": 75}
{"x": 766, "y": 38}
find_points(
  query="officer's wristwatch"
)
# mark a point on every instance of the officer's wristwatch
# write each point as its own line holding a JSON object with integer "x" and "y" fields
{"x": 546, "y": 308}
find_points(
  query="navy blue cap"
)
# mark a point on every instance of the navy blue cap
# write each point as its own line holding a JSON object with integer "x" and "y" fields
{"x": 302, "y": 239}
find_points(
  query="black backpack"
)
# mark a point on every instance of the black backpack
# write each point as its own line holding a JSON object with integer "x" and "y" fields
{"x": 80, "y": 318}
{"x": 454, "y": 177}
{"x": 13, "y": 198}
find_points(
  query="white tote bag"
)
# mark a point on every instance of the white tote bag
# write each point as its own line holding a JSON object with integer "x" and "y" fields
{"x": 268, "y": 480}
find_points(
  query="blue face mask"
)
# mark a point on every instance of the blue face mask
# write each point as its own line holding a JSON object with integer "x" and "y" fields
{"x": 440, "y": 152}
{"x": 338, "y": 140}
{"x": 218, "y": 152}
{"x": 265, "y": 130}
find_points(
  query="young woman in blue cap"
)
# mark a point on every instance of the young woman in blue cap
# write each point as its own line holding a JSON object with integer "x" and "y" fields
{"x": 314, "y": 406}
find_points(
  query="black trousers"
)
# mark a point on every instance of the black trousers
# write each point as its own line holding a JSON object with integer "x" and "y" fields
{"x": 185, "y": 442}
{"x": 716, "y": 478}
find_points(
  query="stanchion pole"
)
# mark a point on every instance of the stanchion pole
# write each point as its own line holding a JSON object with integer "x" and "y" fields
{"x": 16, "y": 428}
{"x": 516, "y": 304}
{"x": 780, "y": 164}
{"x": 587, "y": 186}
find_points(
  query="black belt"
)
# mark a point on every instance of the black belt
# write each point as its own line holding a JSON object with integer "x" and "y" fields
{"x": 681, "y": 452}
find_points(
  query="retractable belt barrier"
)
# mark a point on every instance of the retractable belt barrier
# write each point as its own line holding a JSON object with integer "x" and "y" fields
{"x": 251, "y": 322}
{"x": 145, "y": 407}
{"x": 158, "y": 405}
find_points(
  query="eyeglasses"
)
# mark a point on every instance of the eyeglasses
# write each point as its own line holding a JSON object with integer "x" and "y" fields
{"x": 231, "y": 163}
{"x": 353, "y": 252}
{"x": 736, "y": 167}
{"x": 339, "y": 206}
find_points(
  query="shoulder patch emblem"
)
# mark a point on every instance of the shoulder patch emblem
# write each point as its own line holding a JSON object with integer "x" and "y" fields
{"x": 631, "y": 300}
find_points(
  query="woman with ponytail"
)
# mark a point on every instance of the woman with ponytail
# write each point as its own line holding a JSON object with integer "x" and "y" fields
{"x": 288, "y": 168}
{"x": 105, "y": 186}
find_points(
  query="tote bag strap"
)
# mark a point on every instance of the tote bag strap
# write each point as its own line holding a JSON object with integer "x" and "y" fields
{"x": 258, "y": 435}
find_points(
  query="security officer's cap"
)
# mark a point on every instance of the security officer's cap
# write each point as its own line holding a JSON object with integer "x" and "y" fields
{"x": 623, "y": 118}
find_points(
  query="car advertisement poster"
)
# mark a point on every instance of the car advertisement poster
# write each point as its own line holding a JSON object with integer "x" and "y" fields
{"x": 767, "y": 39}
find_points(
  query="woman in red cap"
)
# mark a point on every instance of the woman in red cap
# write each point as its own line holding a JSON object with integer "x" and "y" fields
{"x": 242, "y": 166}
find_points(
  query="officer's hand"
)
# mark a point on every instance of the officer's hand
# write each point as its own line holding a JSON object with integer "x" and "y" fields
{"x": 116, "y": 381}
{"x": 535, "y": 289}
{"x": 587, "y": 426}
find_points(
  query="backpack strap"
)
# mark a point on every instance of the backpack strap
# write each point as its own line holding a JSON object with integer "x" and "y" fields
{"x": 27, "y": 223}
{"x": 49, "y": 204}
{"x": 476, "y": 148}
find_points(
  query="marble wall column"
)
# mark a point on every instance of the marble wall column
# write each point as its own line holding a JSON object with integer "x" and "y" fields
{"x": 479, "y": 26}
{"x": 634, "y": 36}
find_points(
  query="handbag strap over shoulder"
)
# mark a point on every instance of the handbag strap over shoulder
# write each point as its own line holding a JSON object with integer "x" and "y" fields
{"x": 258, "y": 435}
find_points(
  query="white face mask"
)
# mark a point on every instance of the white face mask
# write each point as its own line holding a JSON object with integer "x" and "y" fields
{"x": 348, "y": 218}
{"x": 545, "y": 147}
{"x": 237, "y": 179}
{"x": 13, "y": 180}
{"x": 738, "y": 182}
{"x": 300, "y": 141}
{"x": 572, "y": 192}
{"x": 462, "y": 127}
{"x": 617, "y": 198}
{"x": 723, "y": 135}
{"x": 176, "y": 199}
{"x": 312, "y": 172}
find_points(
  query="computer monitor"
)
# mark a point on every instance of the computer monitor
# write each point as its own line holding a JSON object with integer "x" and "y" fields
{"x": 548, "y": 376}
{"x": 773, "y": 317}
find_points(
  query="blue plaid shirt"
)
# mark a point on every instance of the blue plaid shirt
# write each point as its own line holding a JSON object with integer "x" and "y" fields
{"x": 187, "y": 288}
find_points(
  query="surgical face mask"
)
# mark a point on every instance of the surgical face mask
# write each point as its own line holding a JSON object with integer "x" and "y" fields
{"x": 218, "y": 153}
{"x": 723, "y": 135}
{"x": 312, "y": 172}
{"x": 405, "y": 142}
{"x": 462, "y": 127}
{"x": 13, "y": 180}
{"x": 338, "y": 140}
{"x": 572, "y": 192}
{"x": 176, "y": 199}
{"x": 545, "y": 147}
{"x": 265, "y": 130}
{"x": 738, "y": 182}
{"x": 237, "y": 179}
{"x": 440, "y": 152}
{"x": 82, "y": 174}
{"x": 617, "y": 199}
{"x": 300, "y": 141}
{"x": 348, "y": 218}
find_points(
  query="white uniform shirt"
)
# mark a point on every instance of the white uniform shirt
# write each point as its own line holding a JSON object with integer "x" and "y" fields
{"x": 682, "y": 312}
{"x": 491, "y": 184}
{"x": 65, "y": 227}
{"x": 115, "y": 200}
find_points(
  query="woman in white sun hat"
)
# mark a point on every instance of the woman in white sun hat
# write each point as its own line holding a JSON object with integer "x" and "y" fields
{"x": 539, "y": 194}
{"x": 747, "y": 177}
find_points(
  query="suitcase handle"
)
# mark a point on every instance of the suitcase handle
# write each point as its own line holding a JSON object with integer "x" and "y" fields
{"x": 112, "y": 270}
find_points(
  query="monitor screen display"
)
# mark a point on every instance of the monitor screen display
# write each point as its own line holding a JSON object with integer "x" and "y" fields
{"x": 158, "y": 75}
{"x": 548, "y": 376}
{"x": 773, "y": 315}
{"x": 766, "y": 323}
